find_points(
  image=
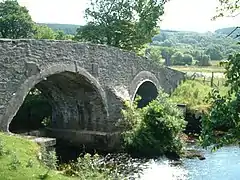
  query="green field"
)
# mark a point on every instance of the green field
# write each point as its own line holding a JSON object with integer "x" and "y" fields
{"x": 215, "y": 67}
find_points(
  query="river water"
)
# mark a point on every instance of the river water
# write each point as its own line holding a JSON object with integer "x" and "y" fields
{"x": 223, "y": 164}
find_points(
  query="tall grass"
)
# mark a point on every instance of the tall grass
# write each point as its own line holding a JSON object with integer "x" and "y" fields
{"x": 193, "y": 93}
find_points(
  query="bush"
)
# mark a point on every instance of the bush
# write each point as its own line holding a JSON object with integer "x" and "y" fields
{"x": 223, "y": 119}
{"x": 225, "y": 110}
{"x": 153, "y": 130}
{"x": 90, "y": 167}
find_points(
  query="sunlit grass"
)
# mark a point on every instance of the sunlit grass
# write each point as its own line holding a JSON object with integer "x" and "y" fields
{"x": 215, "y": 67}
{"x": 207, "y": 69}
{"x": 193, "y": 93}
{"x": 20, "y": 160}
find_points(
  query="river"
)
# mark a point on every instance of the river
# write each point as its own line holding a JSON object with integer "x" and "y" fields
{"x": 223, "y": 164}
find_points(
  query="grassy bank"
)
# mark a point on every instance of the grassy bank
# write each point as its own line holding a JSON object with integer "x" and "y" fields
{"x": 193, "y": 93}
{"x": 22, "y": 159}
{"x": 19, "y": 160}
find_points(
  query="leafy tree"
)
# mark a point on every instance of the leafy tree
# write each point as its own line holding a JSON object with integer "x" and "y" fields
{"x": 59, "y": 35}
{"x": 154, "y": 53}
{"x": 44, "y": 32}
{"x": 187, "y": 59}
{"x": 197, "y": 55}
{"x": 225, "y": 110}
{"x": 167, "y": 53}
{"x": 177, "y": 58}
{"x": 168, "y": 43}
{"x": 228, "y": 8}
{"x": 15, "y": 21}
{"x": 204, "y": 60}
{"x": 127, "y": 24}
{"x": 214, "y": 53}
{"x": 181, "y": 59}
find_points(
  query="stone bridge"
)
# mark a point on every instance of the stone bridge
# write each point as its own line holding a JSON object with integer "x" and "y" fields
{"x": 85, "y": 85}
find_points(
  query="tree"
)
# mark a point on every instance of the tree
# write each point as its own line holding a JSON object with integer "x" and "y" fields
{"x": 181, "y": 59}
{"x": 204, "y": 60}
{"x": 60, "y": 35}
{"x": 44, "y": 32}
{"x": 126, "y": 24}
{"x": 214, "y": 53}
{"x": 187, "y": 59}
{"x": 177, "y": 58}
{"x": 15, "y": 21}
{"x": 167, "y": 53}
{"x": 154, "y": 53}
{"x": 225, "y": 110}
{"x": 228, "y": 8}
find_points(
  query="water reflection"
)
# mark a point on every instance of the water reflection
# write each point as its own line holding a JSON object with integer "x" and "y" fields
{"x": 163, "y": 169}
{"x": 221, "y": 165}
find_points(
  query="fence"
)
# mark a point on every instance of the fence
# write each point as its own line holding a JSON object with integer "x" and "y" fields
{"x": 208, "y": 78}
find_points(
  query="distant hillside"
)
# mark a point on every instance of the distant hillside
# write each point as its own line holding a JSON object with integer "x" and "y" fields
{"x": 217, "y": 45}
{"x": 66, "y": 28}
{"x": 227, "y": 31}
{"x": 72, "y": 28}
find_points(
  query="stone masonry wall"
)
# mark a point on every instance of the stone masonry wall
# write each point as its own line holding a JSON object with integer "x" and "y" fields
{"x": 110, "y": 76}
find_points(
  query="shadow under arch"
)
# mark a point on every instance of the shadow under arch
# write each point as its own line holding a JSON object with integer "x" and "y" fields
{"x": 46, "y": 75}
{"x": 146, "y": 85}
{"x": 148, "y": 91}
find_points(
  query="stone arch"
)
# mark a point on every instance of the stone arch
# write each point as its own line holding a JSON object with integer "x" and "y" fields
{"x": 146, "y": 85}
{"x": 56, "y": 69}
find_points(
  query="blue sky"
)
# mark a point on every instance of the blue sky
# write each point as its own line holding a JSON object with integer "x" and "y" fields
{"x": 191, "y": 15}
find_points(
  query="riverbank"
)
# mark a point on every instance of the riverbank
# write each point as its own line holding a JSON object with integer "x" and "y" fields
{"x": 19, "y": 159}
{"x": 23, "y": 159}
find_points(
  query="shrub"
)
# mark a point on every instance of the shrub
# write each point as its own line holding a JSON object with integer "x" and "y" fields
{"x": 90, "y": 167}
{"x": 154, "y": 129}
{"x": 49, "y": 158}
{"x": 223, "y": 118}
{"x": 225, "y": 110}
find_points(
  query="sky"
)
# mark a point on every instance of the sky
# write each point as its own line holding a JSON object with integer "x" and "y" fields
{"x": 188, "y": 15}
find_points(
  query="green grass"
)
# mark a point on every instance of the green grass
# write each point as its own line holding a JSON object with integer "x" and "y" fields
{"x": 193, "y": 93}
{"x": 207, "y": 69}
{"x": 17, "y": 155}
{"x": 215, "y": 67}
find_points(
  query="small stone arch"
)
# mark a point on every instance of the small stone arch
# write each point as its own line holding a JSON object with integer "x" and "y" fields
{"x": 19, "y": 96}
{"x": 143, "y": 80}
